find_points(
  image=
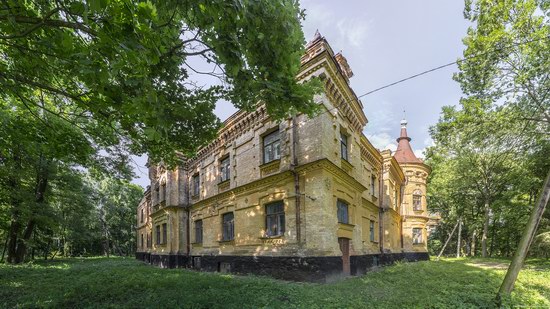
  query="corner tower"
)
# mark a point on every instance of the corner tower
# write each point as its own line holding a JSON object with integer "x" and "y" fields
{"x": 414, "y": 207}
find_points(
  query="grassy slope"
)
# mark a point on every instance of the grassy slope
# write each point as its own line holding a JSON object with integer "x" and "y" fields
{"x": 118, "y": 282}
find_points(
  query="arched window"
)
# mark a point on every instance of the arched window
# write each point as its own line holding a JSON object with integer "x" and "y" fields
{"x": 417, "y": 200}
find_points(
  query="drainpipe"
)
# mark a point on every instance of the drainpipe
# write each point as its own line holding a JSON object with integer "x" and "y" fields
{"x": 188, "y": 229}
{"x": 381, "y": 208}
{"x": 297, "y": 193}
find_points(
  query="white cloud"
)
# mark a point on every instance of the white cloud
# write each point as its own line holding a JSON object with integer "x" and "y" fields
{"x": 353, "y": 30}
{"x": 382, "y": 141}
{"x": 420, "y": 153}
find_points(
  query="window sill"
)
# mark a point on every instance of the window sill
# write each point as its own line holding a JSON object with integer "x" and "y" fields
{"x": 273, "y": 237}
{"x": 224, "y": 185}
{"x": 346, "y": 226}
{"x": 419, "y": 244}
{"x": 197, "y": 244}
{"x": 226, "y": 242}
{"x": 346, "y": 166}
{"x": 270, "y": 167}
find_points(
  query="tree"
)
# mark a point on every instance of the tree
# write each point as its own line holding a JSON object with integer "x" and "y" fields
{"x": 127, "y": 64}
{"x": 84, "y": 84}
{"x": 508, "y": 61}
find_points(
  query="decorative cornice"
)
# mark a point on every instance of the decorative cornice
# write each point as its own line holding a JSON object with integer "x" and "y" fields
{"x": 243, "y": 188}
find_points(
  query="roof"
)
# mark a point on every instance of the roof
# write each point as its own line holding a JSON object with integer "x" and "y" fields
{"x": 404, "y": 152}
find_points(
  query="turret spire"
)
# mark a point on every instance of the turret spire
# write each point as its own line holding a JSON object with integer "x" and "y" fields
{"x": 404, "y": 152}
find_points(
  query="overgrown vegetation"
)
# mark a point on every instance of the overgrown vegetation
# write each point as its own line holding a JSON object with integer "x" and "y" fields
{"x": 127, "y": 283}
{"x": 491, "y": 153}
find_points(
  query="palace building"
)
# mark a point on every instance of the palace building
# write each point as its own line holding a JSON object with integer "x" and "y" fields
{"x": 301, "y": 199}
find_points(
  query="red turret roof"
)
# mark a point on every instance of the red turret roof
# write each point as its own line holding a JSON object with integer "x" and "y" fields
{"x": 404, "y": 152}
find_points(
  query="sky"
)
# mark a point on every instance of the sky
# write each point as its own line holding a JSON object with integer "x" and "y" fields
{"x": 385, "y": 41}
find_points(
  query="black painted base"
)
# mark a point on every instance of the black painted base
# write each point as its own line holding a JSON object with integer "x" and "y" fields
{"x": 313, "y": 269}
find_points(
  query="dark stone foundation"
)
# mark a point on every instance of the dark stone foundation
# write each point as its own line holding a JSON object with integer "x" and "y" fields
{"x": 313, "y": 269}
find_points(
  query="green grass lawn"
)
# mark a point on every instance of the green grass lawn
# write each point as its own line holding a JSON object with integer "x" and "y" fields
{"x": 125, "y": 282}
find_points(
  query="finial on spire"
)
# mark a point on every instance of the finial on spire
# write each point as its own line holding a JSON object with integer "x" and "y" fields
{"x": 317, "y": 35}
{"x": 404, "y": 121}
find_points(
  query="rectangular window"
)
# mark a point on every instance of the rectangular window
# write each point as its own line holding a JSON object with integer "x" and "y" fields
{"x": 417, "y": 202}
{"x": 196, "y": 184}
{"x": 150, "y": 240}
{"x": 142, "y": 215}
{"x": 163, "y": 192}
{"x": 344, "y": 146}
{"x": 417, "y": 236}
{"x": 141, "y": 240}
{"x": 224, "y": 169}
{"x": 275, "y": 218}
{"x": 342, "y": 212}
{"x": 371, "y": 230}
{"x": 372, "y": 185}
{"x": 164, "y": 233}
{"x": 198, "y": 231}
{"x": 228, "y": 227}
{"x": 157, "y": 192}
{"x": 272, "y": 147}
{"x": 158, "y": 235}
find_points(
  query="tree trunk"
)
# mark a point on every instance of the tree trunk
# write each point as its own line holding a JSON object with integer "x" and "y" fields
{"x": 40, "y": 191}
{"x": 526, "y": 239}
{"x": 474, "y": 238}
{"x": 459, "y": 236}
{"x": 4, "y": 249}
{"x": 485, "y": 230}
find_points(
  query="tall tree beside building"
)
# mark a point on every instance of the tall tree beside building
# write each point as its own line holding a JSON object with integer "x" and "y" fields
{"x": 507, "y": 67}
{"x": 86, "y": 83}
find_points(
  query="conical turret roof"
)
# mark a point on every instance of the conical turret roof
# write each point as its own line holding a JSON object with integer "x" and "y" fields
{"x": 404, "y": 152}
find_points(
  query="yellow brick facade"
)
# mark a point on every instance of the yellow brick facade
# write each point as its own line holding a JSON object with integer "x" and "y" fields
{"x": 336, "y": 200}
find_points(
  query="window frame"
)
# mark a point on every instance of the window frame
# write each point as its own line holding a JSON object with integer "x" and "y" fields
{"x": 344, "y": 149}
{"x": 142, "y": 215}
{"x": 339, "y": 207}
{"x": 142, "y": 241}
{"x": 274, "y": 146}
{"x": 417, "y": 240}
{"x": 164, "y": 233}
{"x": 225, "y": 168}
{"x": 371, "y": 231}
{"x": 277, "y": 216}
{"x": 196, "y": 185}
{"x": 373, "y": 184}
{"x": 228, "y": 227}
{"x": 157, "y": 233}
{"x": 198, "y": 231}
{"x": 417, "y": 204}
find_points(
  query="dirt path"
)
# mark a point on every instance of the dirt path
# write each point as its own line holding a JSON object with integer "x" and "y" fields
{"x": 489, "y": 264}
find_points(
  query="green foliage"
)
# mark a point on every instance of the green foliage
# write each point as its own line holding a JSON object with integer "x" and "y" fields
{"x": 491, "y": 151}
{"x": 127, "y": 283}
{"x": 126, "y": 64}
